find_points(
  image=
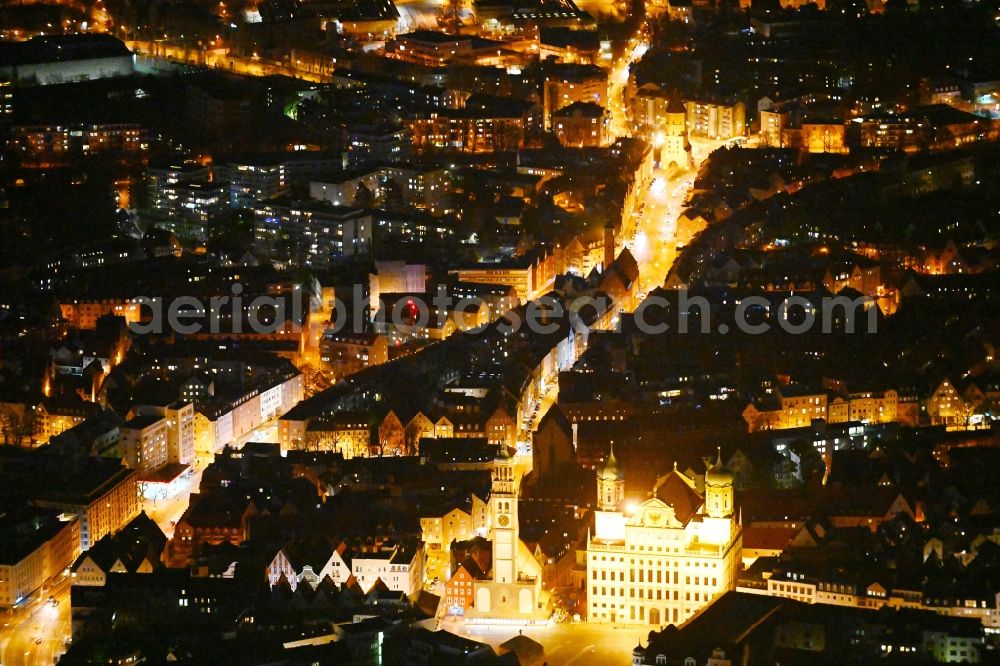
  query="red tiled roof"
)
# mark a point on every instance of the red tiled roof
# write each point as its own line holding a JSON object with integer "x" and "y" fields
{"x": 768, "y": 538}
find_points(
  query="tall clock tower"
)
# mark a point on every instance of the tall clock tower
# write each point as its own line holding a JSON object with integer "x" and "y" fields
{"x": 503, "y": 508}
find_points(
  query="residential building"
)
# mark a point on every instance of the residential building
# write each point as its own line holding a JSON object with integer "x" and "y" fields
{"x": 821, "y": 136}
{"x": 581, "y": 124}
{"x": 179, "y": 416}
{"x": 792, "y": 407}
{"x": 864, "y": 407}
{"x": 219, "y": 422}
{"x": 144, "y": 442}
{"x": 345, "y": 353}
{"x": 412, "y": 225}
{"x": 137, "y": 548}
{"x": 98, "y": 434}
{"x": 311, "y": 233}
{"x": 438, "y": 533}
{"x": 343, "y": 188}
{"x": 252, "y": 180}
{"x": 161, "y": 177}
{"x": 945, "y": 406}
{"x": 797, "y": 407}
{"x": 46, "y": 146}
{"x": 528, "y": 275}
{"x": 83, "y": 314}
{"x": 310, "y": 561}
{"x": 773, "y": 122}
{"x": 101, "y": 493}
{"x": 934, "y": 127}
{"x": 566, "y": 84}
{"x": 716, "y": 119}
{"x": 346, "y": 433}
{"x": 398, "y": 566}
{"x": 191, "y": 207}
{"x": 423, "y": 187}
{"x": 470, "y": 130}
{"x": 368, "y": 145}
{"x": 183, "y": 198}
{"x": 54, "y": 416}
{"x": 458, "y": 592}
{"x": 36, "y": 545}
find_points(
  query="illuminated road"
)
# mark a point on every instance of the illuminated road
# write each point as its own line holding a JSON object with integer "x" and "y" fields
{"x": 166, "y": 512}
{"x": 654, "y": 245}
{"x": 576, "y": 644}
{"x": 221, "y": 59}
{"x": 620, "y": 124}
{"x": 656, "y": 239}
{"x": 40, "y": 620}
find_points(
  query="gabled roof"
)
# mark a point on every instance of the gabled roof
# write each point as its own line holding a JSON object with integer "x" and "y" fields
{"x": 312, "y": 552}
{"x": 141, "y": 540}
{"x": 768, "y": 538}
{"x": 585, "y": 109}
{"x": 677, "y": 491}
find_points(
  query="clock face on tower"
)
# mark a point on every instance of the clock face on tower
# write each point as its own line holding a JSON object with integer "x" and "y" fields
{"x": 503, "y": 520}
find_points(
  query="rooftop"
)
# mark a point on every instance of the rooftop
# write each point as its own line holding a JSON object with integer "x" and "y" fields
{"x": 59, "y": 48}
{"x": 24, "y": 531}
{"x": 141, "y": 422}
{"x": 586, "y": 109}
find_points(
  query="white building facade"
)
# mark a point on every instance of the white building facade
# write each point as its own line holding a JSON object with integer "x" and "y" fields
{"x": 662, "y": 560}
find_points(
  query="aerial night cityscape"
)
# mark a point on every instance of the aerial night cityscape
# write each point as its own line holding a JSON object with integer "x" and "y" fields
{"x": 534, "y": 332}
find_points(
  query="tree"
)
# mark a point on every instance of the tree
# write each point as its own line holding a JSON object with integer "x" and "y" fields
{"x": 363, "y": 197}
{"x": 16, "y": 425}
{"x": 392, "y": 198}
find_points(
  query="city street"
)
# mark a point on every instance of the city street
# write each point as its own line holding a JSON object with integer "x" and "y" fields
{"x": 617, "y": 80}
{"x": 654, "y": 244}
{"x": 166, "y": 512}
{"x": 572, "y": 644}
{"x": 40, "y": 620}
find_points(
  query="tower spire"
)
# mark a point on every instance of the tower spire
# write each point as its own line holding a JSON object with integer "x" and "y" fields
{"x": 718, "y": 489}
{"x": 610, "y": 484}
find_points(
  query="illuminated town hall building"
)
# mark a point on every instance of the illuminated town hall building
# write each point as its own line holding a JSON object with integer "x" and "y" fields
{"x": 662, "y": 560}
